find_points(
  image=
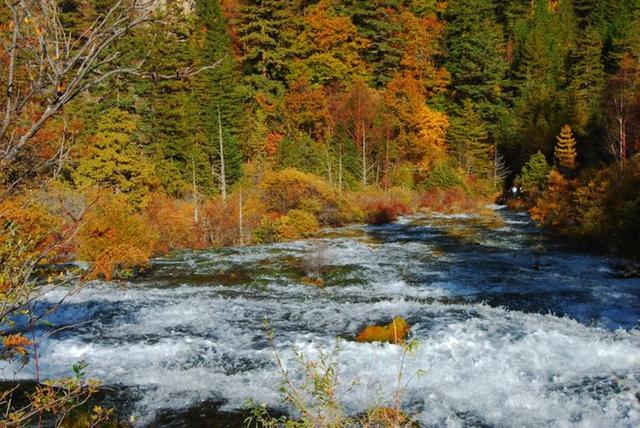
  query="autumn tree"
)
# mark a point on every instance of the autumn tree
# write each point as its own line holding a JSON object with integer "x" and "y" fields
{"x": 111, "y": 158}
{"x": 565, "y": 149}
{"x": 45, "y": 66}
{"x": 332, "y": 48}
{"x": 357, "y": 118}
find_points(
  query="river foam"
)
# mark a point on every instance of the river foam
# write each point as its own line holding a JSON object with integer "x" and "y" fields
{"x": 496, "y": 347}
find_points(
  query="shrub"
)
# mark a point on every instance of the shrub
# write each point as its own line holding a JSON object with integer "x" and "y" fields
{"x": 27, "y": 229}
{"x": 451, "y": 200}
{"x": 381, "y": 213}
{"x": 295, "y": 225}
{"x": 173, "y": 221}
{"x": 288, "y": 189}
{"x": 395, "y": 332}
{"x": 114, "y": 235}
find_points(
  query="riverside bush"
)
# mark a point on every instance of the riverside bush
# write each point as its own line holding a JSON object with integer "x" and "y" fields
{"x": 116, "y": 237}
{"x": 296, "y": 224}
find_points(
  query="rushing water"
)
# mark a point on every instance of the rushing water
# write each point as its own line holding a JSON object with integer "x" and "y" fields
{"x": 515, "y": 329}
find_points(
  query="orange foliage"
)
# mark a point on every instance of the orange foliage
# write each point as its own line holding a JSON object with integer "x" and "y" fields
{"x": 555, "y": 208}
{"x": 450, "y": 200}
{"x": 116, "y": 237}
{"x": 122, "y": 260}
{"x": 223, "y": 220}
{"x": 27, "y": 231}
{"x": 173, "y": 221}
{"x": 387, "y": 417}
{"x": 307, "y": 109}
{"x": 15, "y": 345}
{"x": 395, "y": 332}
{"x": 272, "y": 143}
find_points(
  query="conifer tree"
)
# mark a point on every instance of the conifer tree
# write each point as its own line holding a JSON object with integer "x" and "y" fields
{"x": 469, "y": 138}
{"x": 267, "y": 31}
{"x": 219, "y": 99}
{"x": 475, "y": 52}
{"x": 534, "y": 174}
{"x": 588, "y": 75}
{"x": 378, "y": 21}
{"x": 565, "y": 150}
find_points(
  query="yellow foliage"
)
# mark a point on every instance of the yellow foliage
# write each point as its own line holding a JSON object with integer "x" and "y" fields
{"x": 296, "y": 224}
{"x": 387, "y": 417}
{"x": 431, "y": 145}
{"x": 394, "y": 332}
{"x": 283, "y": 191}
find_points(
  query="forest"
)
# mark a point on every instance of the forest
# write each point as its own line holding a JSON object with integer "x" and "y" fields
{"x": 134, "y": 130}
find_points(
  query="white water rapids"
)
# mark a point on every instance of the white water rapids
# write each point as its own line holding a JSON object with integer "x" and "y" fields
{"x": 514, "y": 329}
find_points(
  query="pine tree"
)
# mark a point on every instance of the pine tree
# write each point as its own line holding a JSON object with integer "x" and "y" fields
{"x": 378, "y": 21}
{"x": 476, "y": 54}
{"x": 219, "y": 100}
{"x": 565, "y": 150}
{"x": 500, "y": 170}
{"x": 588, "y": 75}
{"x": 469, "y": 138}
{"x": 534, "y": 174}
{"x": 267, "y": 31}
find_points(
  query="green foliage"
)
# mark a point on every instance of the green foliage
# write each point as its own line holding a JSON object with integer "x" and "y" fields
{"x": 534, "y": 174}
{"x": 469, "y": 139}
{"x": 475, "y": 54}
{"x": 443, "y": 176}
{"x": 111, "y": 158}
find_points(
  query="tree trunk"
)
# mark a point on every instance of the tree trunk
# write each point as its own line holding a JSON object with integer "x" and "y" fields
{"x": 364, "y": 157}
{"x": 196, "y": 216}
{"x": 223, "y": 175}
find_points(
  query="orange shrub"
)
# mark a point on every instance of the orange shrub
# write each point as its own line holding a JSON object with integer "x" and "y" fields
{"x": 381, "y": 213}
{"x": 27, "y": 230}
{"x": 451, "y": 200}
{"x": 385, "y": 207}
{"x": 114, "y": 235}
{"x": 394, "y": 332}
{"x": 173, "y": 220}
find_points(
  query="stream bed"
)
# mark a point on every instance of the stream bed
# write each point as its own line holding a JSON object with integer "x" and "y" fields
{"x": 515, "y": 328}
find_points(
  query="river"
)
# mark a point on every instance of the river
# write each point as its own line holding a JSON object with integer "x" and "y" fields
{"x": 515, "y": 328}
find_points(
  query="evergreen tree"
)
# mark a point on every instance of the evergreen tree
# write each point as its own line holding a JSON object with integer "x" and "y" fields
{"x": 379, "y": 22}
{"x": 469, "y": 138}
{"x": 565, "y": 150}
{"x": 588, "y": 76}
{"x": 475, "y": 54}
{"x": 534, "y": 174}
{"x": 219, "y": 99}
{"x": 267, "y": 31}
